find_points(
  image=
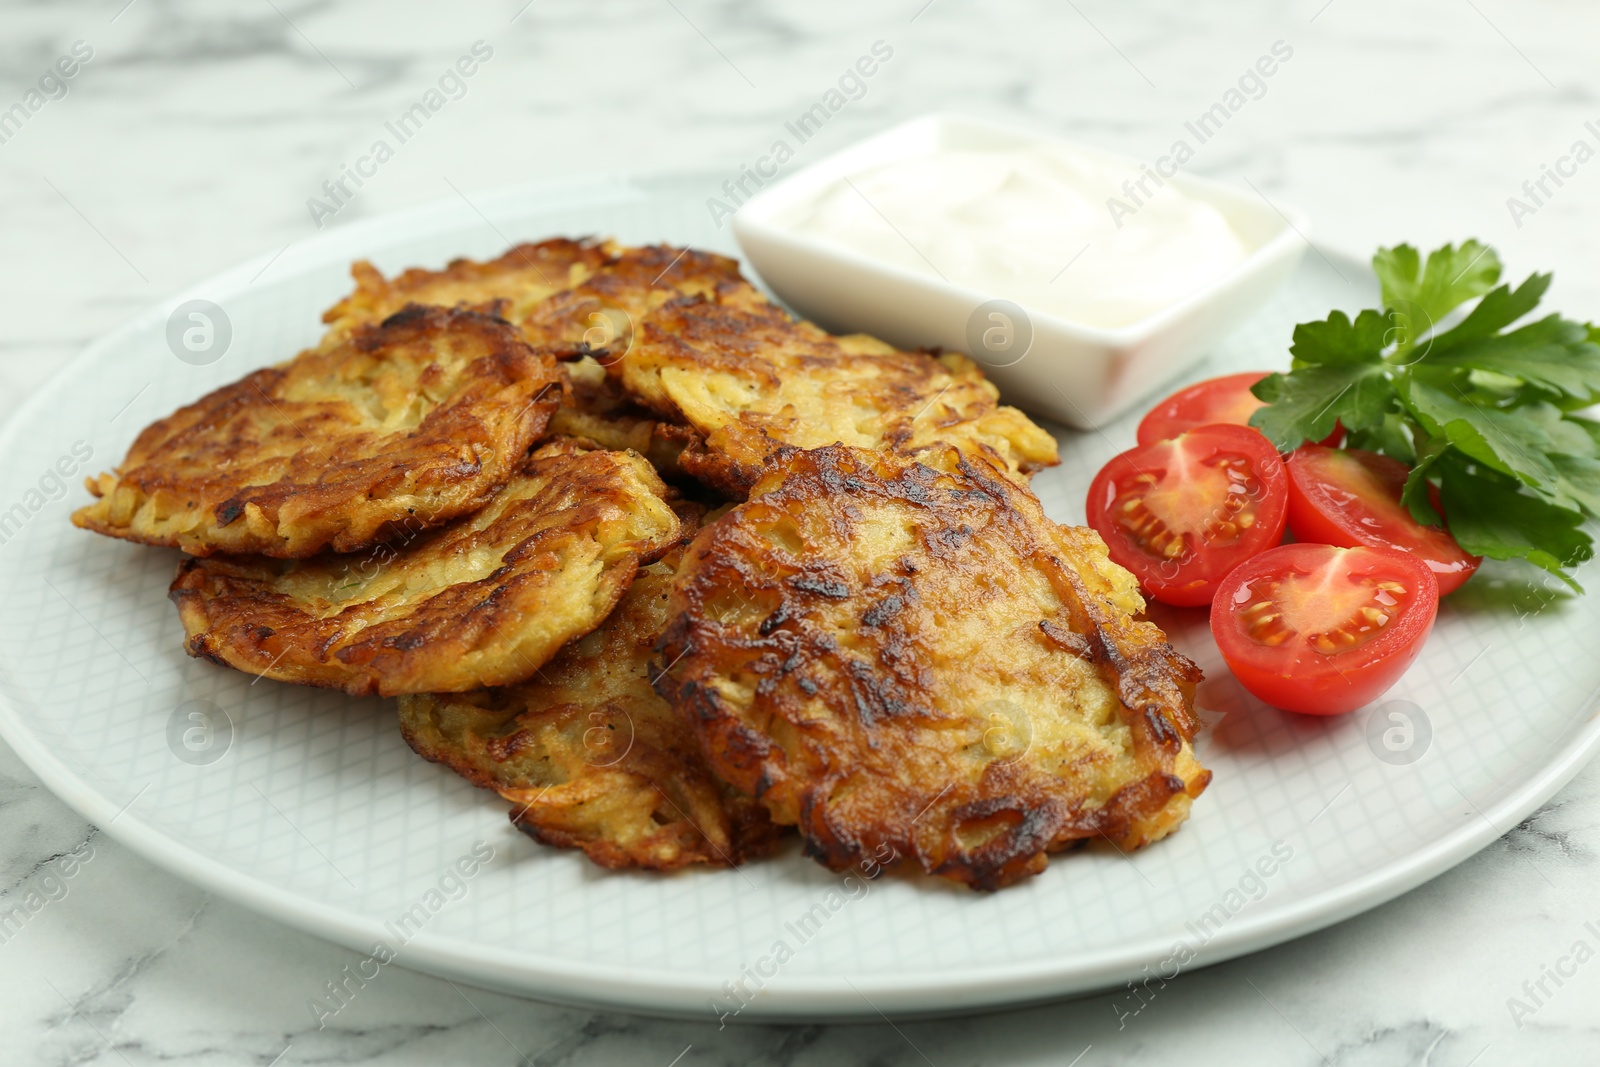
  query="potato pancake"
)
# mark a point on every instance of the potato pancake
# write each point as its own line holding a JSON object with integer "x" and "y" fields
{"x": 486, "y": 600}
{"x": 749, "y": 379}
{"x": 523, "y": 277}
{"x": 591, "y": 756}
{"x": 603, "y": 311}
{"x": 893, "y": 655}
{"x": 597, "y": 410}
{"x": 582, "y": 295}
{"x": 695, "y": 343}
{"x": 414, "y": 421}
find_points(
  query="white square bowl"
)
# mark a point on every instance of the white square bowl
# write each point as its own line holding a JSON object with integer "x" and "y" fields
{"x": 1081, "y": 375}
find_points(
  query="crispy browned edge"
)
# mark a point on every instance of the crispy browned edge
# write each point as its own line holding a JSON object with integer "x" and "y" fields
{"x": 1154, "y": 683}
{"x": 553, "y": 261}
{"x": 640, "y": 288}
{"x": 226, "y": 604}
{"x": 599, "y": 291}
{"x": 583, "y": 276}
{"x": 598, "y": 411}
{"x": 483, "y": 735}
{"x": 341, "y": 501}
{"x": 726, "y": 331}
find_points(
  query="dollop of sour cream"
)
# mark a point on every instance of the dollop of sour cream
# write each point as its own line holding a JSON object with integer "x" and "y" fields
{"x": 1035, "y": 225}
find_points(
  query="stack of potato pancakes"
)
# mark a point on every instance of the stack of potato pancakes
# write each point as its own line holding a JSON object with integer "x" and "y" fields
{"x": 672, "y": 571}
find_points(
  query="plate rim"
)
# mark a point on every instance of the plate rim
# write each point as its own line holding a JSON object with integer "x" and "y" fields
{"x": 566, "y": 979}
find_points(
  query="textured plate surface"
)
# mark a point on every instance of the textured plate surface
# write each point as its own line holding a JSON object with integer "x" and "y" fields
{"x": 309, "y": 807}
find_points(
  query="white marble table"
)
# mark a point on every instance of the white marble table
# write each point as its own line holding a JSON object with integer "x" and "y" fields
{"x": 195, "y": 134}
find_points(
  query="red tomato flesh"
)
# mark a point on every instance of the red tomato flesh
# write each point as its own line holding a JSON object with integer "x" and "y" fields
{"x": 1323, "y": 630}
{"x": 1349, "y": 497}
{"x": 1181, "y": 513}
{"x": 1227, "y": 399}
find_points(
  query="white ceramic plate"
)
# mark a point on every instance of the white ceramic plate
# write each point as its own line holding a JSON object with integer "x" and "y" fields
{"x": 308, "y": 806}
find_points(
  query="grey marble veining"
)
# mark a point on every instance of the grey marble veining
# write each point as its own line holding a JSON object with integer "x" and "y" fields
{"x": 193, "y": 139}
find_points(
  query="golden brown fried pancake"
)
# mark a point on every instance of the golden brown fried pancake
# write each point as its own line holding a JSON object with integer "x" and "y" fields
{"x": 412, "y": 422}
{"x": 486, "y": 600}
{"x": 894, "y": 656}
{"x": 577, "y": 295}
{"x": 597, "y": 410}
{"x": 591, "y": 757}
{"x": 579, "y": 300}
{"x": 749, "y": 379}
{"x": 711, "y": 358}
{"x": 524, "y": 276}
{"x": 603, "y": 310}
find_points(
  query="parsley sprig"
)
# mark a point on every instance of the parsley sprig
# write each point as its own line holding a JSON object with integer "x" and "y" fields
{"x": 1478, "y": 406}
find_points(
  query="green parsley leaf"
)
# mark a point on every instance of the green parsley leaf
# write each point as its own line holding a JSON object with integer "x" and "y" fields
{"x": 1589, "y": 427}
{"x": 1420, "y": 296}
{"x": 1508, "y": 442}
{"x": 1483, "y": 411}
{"x": 1553, "y": 354}
{"x": 1490, "y": 517}
{"x": 1392, "y": 437}
{"x": 1567, "y": 435}
{"x": 1498, "y": 309}
{"x": 1415, "y": 495}
{"x": 1580, "y": 478}
{"x": 1337, "y": 340}
{"x": 1304, "y": 405}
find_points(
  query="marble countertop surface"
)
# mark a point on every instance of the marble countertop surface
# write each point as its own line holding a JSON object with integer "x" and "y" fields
{"x": 191, "y": 139}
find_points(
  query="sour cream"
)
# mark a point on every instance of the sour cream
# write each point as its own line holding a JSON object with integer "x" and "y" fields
{"x": 1044, "y": 226}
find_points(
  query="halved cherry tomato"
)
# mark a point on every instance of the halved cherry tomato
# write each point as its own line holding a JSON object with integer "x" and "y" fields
{"x": 1324, "y": 630}
{"x": 1349, "y": 497}
{"x": 1181, "y": 514}
{"x": 1227, "y": 399}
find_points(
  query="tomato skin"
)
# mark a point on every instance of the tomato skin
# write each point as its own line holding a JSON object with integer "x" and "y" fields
{"x": 1216, "y": 400}
{"x": 1351, "y": 497}
{"x": 1296, "y": 677}
{"x": 1189, "y": 578}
